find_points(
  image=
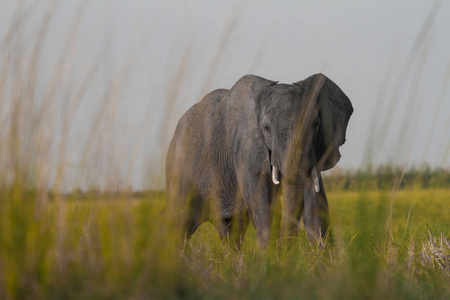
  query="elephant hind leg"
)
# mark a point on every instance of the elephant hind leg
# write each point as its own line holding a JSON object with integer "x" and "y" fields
{"x": 233, "y": 229}
{"x": 184, "y": 211}
{"x": 196, "y": 216}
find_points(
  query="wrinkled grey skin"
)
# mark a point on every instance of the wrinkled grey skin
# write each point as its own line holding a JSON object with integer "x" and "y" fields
{"x": 230, "y": 149}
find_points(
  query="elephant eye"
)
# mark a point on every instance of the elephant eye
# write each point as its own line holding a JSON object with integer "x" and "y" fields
{"x": 267, "y": 129}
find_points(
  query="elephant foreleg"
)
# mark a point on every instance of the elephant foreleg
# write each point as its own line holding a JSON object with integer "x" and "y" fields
{"x": 257, "y": 196}
{"x": 315, "y": 215}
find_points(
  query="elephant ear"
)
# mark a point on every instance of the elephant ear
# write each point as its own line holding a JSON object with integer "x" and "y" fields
{"x": 335, "y": 110}
{"x": 243, "y": 132}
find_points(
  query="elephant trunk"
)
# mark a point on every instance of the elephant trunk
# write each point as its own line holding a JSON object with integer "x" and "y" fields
{"x": 281, "y": 166}
{"x": 293, "y": 193}
{"x": 301, "y": 175}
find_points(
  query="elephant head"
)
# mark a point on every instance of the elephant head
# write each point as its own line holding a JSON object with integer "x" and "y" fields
{"x": 303, "y": 126}
{"x": 334, "y": 111}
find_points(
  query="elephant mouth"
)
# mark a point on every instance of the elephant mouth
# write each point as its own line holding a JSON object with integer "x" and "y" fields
{"x": 276, "y": 174}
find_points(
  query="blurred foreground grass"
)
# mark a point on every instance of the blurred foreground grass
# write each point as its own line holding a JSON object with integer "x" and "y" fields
{"x": 388, "y": 243}
{"x": 113, "y": 246}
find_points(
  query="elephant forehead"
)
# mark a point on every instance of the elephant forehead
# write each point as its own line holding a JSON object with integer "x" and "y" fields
{"x": 281, "y": 109}
{"x": 284, "y": 103}
{"x": 290, "y": 112}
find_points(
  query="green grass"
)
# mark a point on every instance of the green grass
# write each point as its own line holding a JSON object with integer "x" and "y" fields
{"x": 387, "y": 244}
{"x": 99, "y": 246}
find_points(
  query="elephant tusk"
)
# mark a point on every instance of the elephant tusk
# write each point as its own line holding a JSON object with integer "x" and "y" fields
{"x": 275, "y": 177}
{"x": 316, "y": 180}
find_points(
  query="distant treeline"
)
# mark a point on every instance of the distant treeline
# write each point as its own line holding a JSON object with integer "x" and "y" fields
{"x": 383, "y": 177}
{"x": 387, "y": 177}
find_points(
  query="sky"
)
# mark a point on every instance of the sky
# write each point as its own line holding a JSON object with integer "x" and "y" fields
{"x": 391, "y": 58}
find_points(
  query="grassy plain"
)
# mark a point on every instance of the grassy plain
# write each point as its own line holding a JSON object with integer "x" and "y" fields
{"x": 388, "y": 243}
{"x": 112, "y": 246}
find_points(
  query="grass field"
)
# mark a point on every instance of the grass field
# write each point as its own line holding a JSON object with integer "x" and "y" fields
{"x": 60, "y": 132}
{"x": 98, "y": 246}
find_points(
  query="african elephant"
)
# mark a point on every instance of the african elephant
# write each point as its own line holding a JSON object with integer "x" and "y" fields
{"x": 231, "y": 150}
